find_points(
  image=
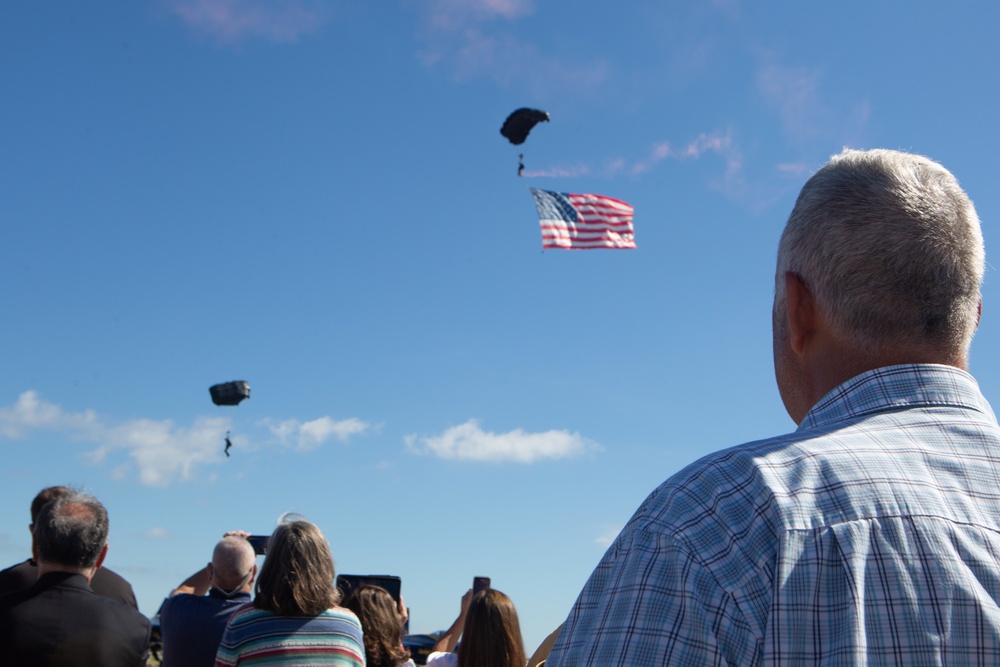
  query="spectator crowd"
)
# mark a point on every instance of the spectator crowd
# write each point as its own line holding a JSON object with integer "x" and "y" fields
{"x": 870, "y": 535}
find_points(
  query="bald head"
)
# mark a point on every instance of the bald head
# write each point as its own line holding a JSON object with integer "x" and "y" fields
{"x": 232, "y": 561}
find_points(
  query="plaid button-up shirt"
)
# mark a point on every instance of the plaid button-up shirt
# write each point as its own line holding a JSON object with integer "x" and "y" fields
{"x": 869, "y": 536}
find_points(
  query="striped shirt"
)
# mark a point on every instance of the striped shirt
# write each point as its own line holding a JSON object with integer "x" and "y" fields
{"x": 870, "y": 535}
{"x": 257, "y": 637}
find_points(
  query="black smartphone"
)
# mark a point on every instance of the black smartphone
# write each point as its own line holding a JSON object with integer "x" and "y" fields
{"x": 259, "y": 543}
{"x": 480, "y": 584}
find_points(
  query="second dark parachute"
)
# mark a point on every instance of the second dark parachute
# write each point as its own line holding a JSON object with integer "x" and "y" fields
{"x": 519, "y": 124}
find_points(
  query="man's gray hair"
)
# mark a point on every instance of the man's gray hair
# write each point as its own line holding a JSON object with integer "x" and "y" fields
{"x": 71, "y": 531}
{"x": 891, "y": 247}
{"x": 233, "y": 560}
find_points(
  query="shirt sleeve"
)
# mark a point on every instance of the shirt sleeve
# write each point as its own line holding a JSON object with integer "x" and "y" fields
{"x": 651, "y": 602}
{"x": 442, "y": 659}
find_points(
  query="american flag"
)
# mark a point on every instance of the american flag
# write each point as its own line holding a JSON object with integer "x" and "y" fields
{"x": 583, "y": 221}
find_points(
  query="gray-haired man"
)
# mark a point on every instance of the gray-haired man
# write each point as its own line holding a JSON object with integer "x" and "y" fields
{"x": 59, "y": 620}
{"x": 870, "y": 535}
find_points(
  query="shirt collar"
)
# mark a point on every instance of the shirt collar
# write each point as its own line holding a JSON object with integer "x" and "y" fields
{"x": 897, "y": 388}
{"x": 222, "y": 595}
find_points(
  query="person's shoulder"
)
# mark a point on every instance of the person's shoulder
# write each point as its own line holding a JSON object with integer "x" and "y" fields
{"x": 118, "y": 609}
{"x": 342, "y": 614}
{"x": 176, "y": 601}
{"x": 724, "y": 488}
{"x": 11, "y": 599}
{"x": 127, "y": 623}
{"x": 246, "y": 612}
{"x": 112, "y": 585}
{"x": 441, "y": 659}
{"x": 182, "y": 603}
{"x": 17, "y": 576}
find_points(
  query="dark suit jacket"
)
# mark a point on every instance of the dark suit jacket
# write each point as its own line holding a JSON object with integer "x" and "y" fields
{"x": 60, "y": 621}
{"x": 105, "y": 582}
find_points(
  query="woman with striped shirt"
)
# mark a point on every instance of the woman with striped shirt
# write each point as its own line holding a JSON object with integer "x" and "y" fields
{"x": 294, "y": 618}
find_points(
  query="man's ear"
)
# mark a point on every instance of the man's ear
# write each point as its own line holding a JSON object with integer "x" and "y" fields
{"x": 800, "y": 309}
{"x": 100, "y": 559}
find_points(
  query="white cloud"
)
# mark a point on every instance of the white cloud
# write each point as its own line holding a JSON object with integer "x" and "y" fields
{"x": 718, "y": 143}
{"x": 468, "y": 442}
{"x": 231, "y": 21}
{"x": 715, "y": 142}
{"x": 607, "y": 537}
{"x": 164, "y": 452}
{"x": 30, "y": 412}
{"x": 464, "y": 37}
{"x": 312, "y": 434}
{"x": 157, "y": 533}
{"x": 159, "y": 452}
{"x": 453, "y": 14}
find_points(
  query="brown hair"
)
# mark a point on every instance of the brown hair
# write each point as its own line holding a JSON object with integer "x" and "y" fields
{"x": 381, "y": 625}
{"x": 47, "y": 495}
{"x": 297, "y": 576}
{"x": 491, "y": 636}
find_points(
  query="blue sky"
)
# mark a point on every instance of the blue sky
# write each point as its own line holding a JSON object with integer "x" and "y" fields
{"x": 314, "y": 197}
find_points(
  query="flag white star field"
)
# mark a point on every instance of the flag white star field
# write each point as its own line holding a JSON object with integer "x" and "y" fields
{"x": 579, "y": 222}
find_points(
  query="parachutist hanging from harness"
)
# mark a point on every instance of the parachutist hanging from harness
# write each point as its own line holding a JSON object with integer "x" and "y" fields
{"x": 518, "y": 125}
{"x": 229, "y": 393}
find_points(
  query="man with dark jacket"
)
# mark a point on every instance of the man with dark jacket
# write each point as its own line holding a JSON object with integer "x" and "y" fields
{"x": 24, "y": 574}
{"x": 59, "y": 620}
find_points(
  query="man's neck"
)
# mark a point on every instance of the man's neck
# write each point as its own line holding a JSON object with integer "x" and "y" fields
{"x": 45, "y": 568}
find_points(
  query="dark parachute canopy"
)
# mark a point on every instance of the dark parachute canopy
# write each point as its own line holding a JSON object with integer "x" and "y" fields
{"x": 230, "y": 393}
{"x": 519, "y": 124}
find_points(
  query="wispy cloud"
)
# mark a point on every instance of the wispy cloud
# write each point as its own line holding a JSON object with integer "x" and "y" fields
{"x": 232, "y": 21}
{"x": 558, "y": 172}
{"x": 157, "y": 534}
{"x": 717, "y": 143}
{"x": 455, "y": 14}
{"x": 608, "y": 536}
{"x": 794, "y": 91}
{"x": 469, "y": 442}
{"x": 721, "y": 144}
{"x": 794, "y": 169}
{"x": 311, "y": 434}
{"x": 470, "y": 38}
{"x": 159, "y": 452}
